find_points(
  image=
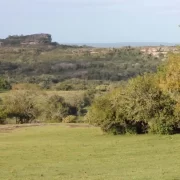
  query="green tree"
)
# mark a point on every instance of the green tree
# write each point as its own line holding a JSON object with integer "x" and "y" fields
{"x": 3, "y": 113}
{"x": 56, "y": 109}
{"x": 4, "y": 85}
{"x": 138, "y": 107}
{"x": 22, "y": 106}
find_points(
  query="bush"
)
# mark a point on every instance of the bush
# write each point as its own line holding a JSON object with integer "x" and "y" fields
{"x": 3, "y": 113}
{"x": 169, "y": 74}
{"x": 26, "y": 86}
{"x": 21, "y": 105}
{"x": 161, "y": 128}
{"x": 103, "y": 114}
{"x": 102, "y": 88}
{"x": 56, "y": 109}
{"x": 148, "y": 102}
{"x": 63, "y": 87}
{"x": 4, "y": 85}
{"x": 70, "y": 119}
{"x": 89, "y": 97}
{"x": 137, "y": 108}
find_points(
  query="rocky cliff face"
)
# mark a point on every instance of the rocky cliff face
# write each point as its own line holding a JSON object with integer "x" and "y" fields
{"x": 34, "y": 39}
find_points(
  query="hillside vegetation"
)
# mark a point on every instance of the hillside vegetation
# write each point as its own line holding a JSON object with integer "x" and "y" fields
{"x": 48, "y": 67}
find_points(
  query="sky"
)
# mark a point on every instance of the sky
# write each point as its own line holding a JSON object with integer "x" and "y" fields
{"x": 93, "y": 21}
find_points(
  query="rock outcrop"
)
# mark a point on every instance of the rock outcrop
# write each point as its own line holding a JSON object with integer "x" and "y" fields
{"x": 159, "y": 50}
{"x": 34, "y": 39}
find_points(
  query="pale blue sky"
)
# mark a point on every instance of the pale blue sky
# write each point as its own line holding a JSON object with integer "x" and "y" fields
{"x": 93, "y": 21}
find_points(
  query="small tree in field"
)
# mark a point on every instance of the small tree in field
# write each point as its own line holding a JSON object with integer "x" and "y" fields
{"x": 56, "y": 109}
{"x": 139, "y": 107}
{"x": 21, "y": 105}
{"x": 4, "y": 85}
{"x": 169, "y": 74}
{"x": 148, "y": 103}
{"x": 3, "y": 113}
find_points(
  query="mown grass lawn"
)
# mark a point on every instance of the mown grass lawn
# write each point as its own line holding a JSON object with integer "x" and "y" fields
{"x": 64, "y": 153}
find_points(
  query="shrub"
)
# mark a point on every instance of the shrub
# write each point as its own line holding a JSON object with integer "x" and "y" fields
{"x": 4, "y": 85}
{"x": 3, "y": 113}
{"x": 70, "y": 119}
{"x": 56, "y": 109}
{"x": 63, "y": 87}
{"x": 89, "y": 97}
{"x": 161, "y": 127}
{"x": 102, "y": 113}
{"x": 169, "y": 74}
{"x": 102, "y": 88}
{"x": 21, "y": 105}
{"x": 139, "y": 107}
{"x": 26, "y": 86}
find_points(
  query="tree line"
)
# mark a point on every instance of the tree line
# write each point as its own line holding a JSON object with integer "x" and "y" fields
{"x": 25, "y": 106}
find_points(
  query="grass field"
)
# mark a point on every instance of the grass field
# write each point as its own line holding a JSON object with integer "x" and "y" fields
{"x": 69, "y": 96}
{"x": 84, "y": 153}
